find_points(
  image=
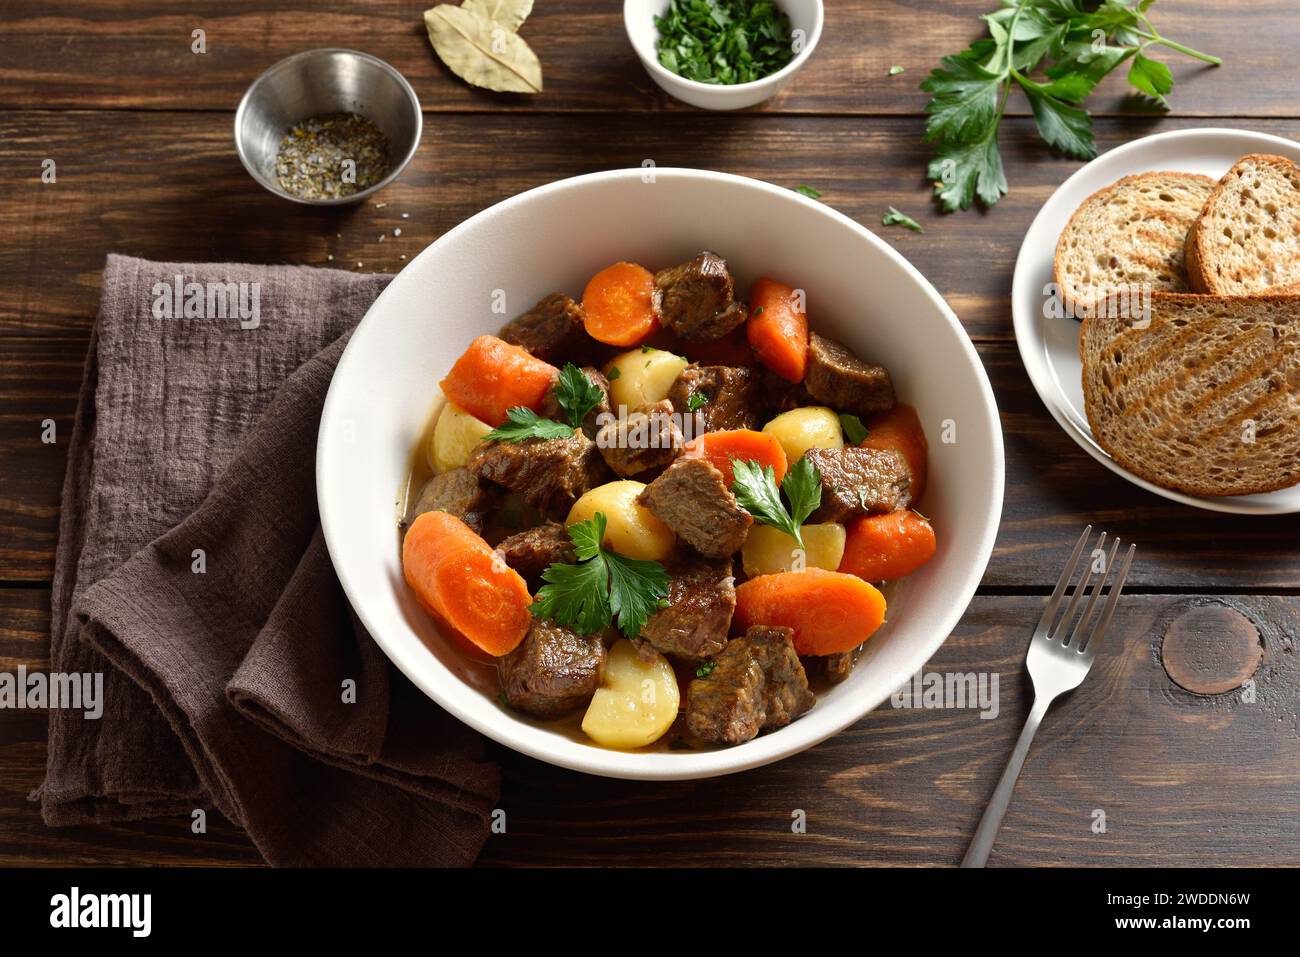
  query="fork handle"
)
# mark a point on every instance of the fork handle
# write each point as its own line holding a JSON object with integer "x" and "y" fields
{"x": 987, "y": 831}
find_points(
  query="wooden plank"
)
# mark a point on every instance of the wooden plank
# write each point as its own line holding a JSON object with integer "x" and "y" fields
{"x": 168, "y": 186}
{"x": 1053, "y": 489}
{"x": 86, "y": 53}
{"x": 902, "y": 786}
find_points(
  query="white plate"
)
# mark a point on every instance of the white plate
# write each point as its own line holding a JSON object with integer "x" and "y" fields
{"x": 860, "y": 291}
{"x": 1049, "y": 347}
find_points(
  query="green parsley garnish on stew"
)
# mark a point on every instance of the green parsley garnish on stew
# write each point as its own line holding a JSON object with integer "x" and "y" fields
{"x": 724, "y": 41}
{"x": 757, "y": 493}
{"x": 522, "y": 423}
{"x": 603, "y": 588}
{"x": 697, "y": 401}
{"x": 576, "y": 394}
{"x": 853, "y": 428}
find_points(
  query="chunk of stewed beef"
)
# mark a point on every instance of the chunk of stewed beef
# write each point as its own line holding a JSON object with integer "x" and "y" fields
{"x": 550, "y": 474}
{"x": 756, "y": 683}
{"x": 696, "y": 300}
{"x": 832, "y": 668}
{"x": 782, "y": 396}
{"x": 457, "y": 492}
{"x": 551, "y": 329}
{"x": 730, "y": 397}
{"x": 696, "y": 620}
{"x": 859, "y": 481}
{"x": 530, "y": 552}
{"x": 691, "y": 498}
{"x": 838, "y": 378}
{"x": 553, "y": 672}
{"x": 551, "y": 408}
{"x": 648, "y": 438}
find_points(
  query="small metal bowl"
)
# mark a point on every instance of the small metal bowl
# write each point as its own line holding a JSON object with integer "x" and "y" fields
{"x": 325, "y": 81}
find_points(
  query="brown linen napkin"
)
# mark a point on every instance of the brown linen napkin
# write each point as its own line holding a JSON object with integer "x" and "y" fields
{"x": 191, "y": 570}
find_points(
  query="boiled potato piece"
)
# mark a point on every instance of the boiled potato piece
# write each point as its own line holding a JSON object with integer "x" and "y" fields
{"x": 811, "y": 427}
{"x": 643, "y": 376}
{"x": 454, "y": 436}
{"x": 769, "y": 550}
{"x": 637, "y": 700}
{"x": 630, "y": 529}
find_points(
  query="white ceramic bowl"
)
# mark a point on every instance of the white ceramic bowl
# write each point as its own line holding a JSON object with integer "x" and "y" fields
{"x": 860, "y": 291}
{"x": 806, "y": 17}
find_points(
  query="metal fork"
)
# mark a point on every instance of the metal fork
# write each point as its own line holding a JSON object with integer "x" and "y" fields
{"x": 1060, "y": 656}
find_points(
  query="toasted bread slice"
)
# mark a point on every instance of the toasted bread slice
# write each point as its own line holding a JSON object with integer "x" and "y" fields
{"x": 1247, "y": 238}
{"x": 1205, "y": 400}
{"x": 1132, "y": 232}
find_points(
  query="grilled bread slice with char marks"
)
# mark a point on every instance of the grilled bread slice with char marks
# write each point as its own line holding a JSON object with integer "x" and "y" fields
{"x": 1206, "y": 400}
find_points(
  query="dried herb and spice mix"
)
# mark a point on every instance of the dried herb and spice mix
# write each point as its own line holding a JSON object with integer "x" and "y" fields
{"x": 724, "y": 41}
{"x": 331, "y": 156}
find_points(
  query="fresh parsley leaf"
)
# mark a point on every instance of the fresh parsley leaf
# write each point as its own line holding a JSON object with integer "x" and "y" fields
{"x": 1056, "y": 52}
{"x": 1064, "y": 127}
{"x": 853, "y": 428}
{"x": 576, "y": 394}
{"x": 697, "y": 401}
{"x": 895, "y": 218}
{"x": 895, "y": 70}
{"x": 706, "y": 669}
{"x": 612, "y": 374}
{"x": 757, "y": 493}
{"x": 808, "y": 191}
{"x": 802, "y": 486}
{"x": 523, "y": 423}
{"x": 576, "y": 596}
{"x": 602, "y": 588}
{"x": 1151, "y": 77}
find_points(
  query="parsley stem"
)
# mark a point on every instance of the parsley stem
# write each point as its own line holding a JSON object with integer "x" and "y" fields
{"x": 1154, "y": 36}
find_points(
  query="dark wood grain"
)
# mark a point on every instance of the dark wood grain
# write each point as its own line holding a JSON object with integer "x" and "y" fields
{"x": 168, "y": 186}
{"x": 1053, "y": 489}
{"x": 902, "y": 786}
{"x": 86, "y": 53}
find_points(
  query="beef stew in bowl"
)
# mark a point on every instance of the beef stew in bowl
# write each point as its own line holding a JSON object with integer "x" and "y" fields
{"x": 664, "y": 511}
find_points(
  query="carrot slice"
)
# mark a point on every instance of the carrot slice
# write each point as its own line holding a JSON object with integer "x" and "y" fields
{"x": 719, "y": 448}
{"x": 829, "y": 611}
{"x": 881, "y": 547}
{"x": 494, "y": 376}
{"x": 778, "y": 328}
{"x": 618, "y": 305}
{"x": 459, "y": 579}
{"x": 900, "y": 429}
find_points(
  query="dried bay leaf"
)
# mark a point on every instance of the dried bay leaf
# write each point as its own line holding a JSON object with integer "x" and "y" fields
{"x": 481, "y": 51}
{"x": 509, "y": 13}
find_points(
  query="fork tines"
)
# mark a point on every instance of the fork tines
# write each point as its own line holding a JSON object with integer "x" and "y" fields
{"x": 1068, "y": 630}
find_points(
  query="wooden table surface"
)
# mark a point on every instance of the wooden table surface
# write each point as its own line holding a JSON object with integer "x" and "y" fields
{"x": 1186, "y": 771}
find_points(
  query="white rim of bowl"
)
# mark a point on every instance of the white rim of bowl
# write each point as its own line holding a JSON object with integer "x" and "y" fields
{"x": 274, "y": 187}
{"x": 1033, "y": 347}
{"x": 765, "y": 749}
{"x": 652, "y": 63}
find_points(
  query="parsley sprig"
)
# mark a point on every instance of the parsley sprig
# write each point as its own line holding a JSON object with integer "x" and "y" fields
{"x": 604, "y": 587}
{"x": 1077, "y": 43}
{"x": 757, "y": 493}
{"x": 574, "y": 393}
{"x": 523, "y": 423}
